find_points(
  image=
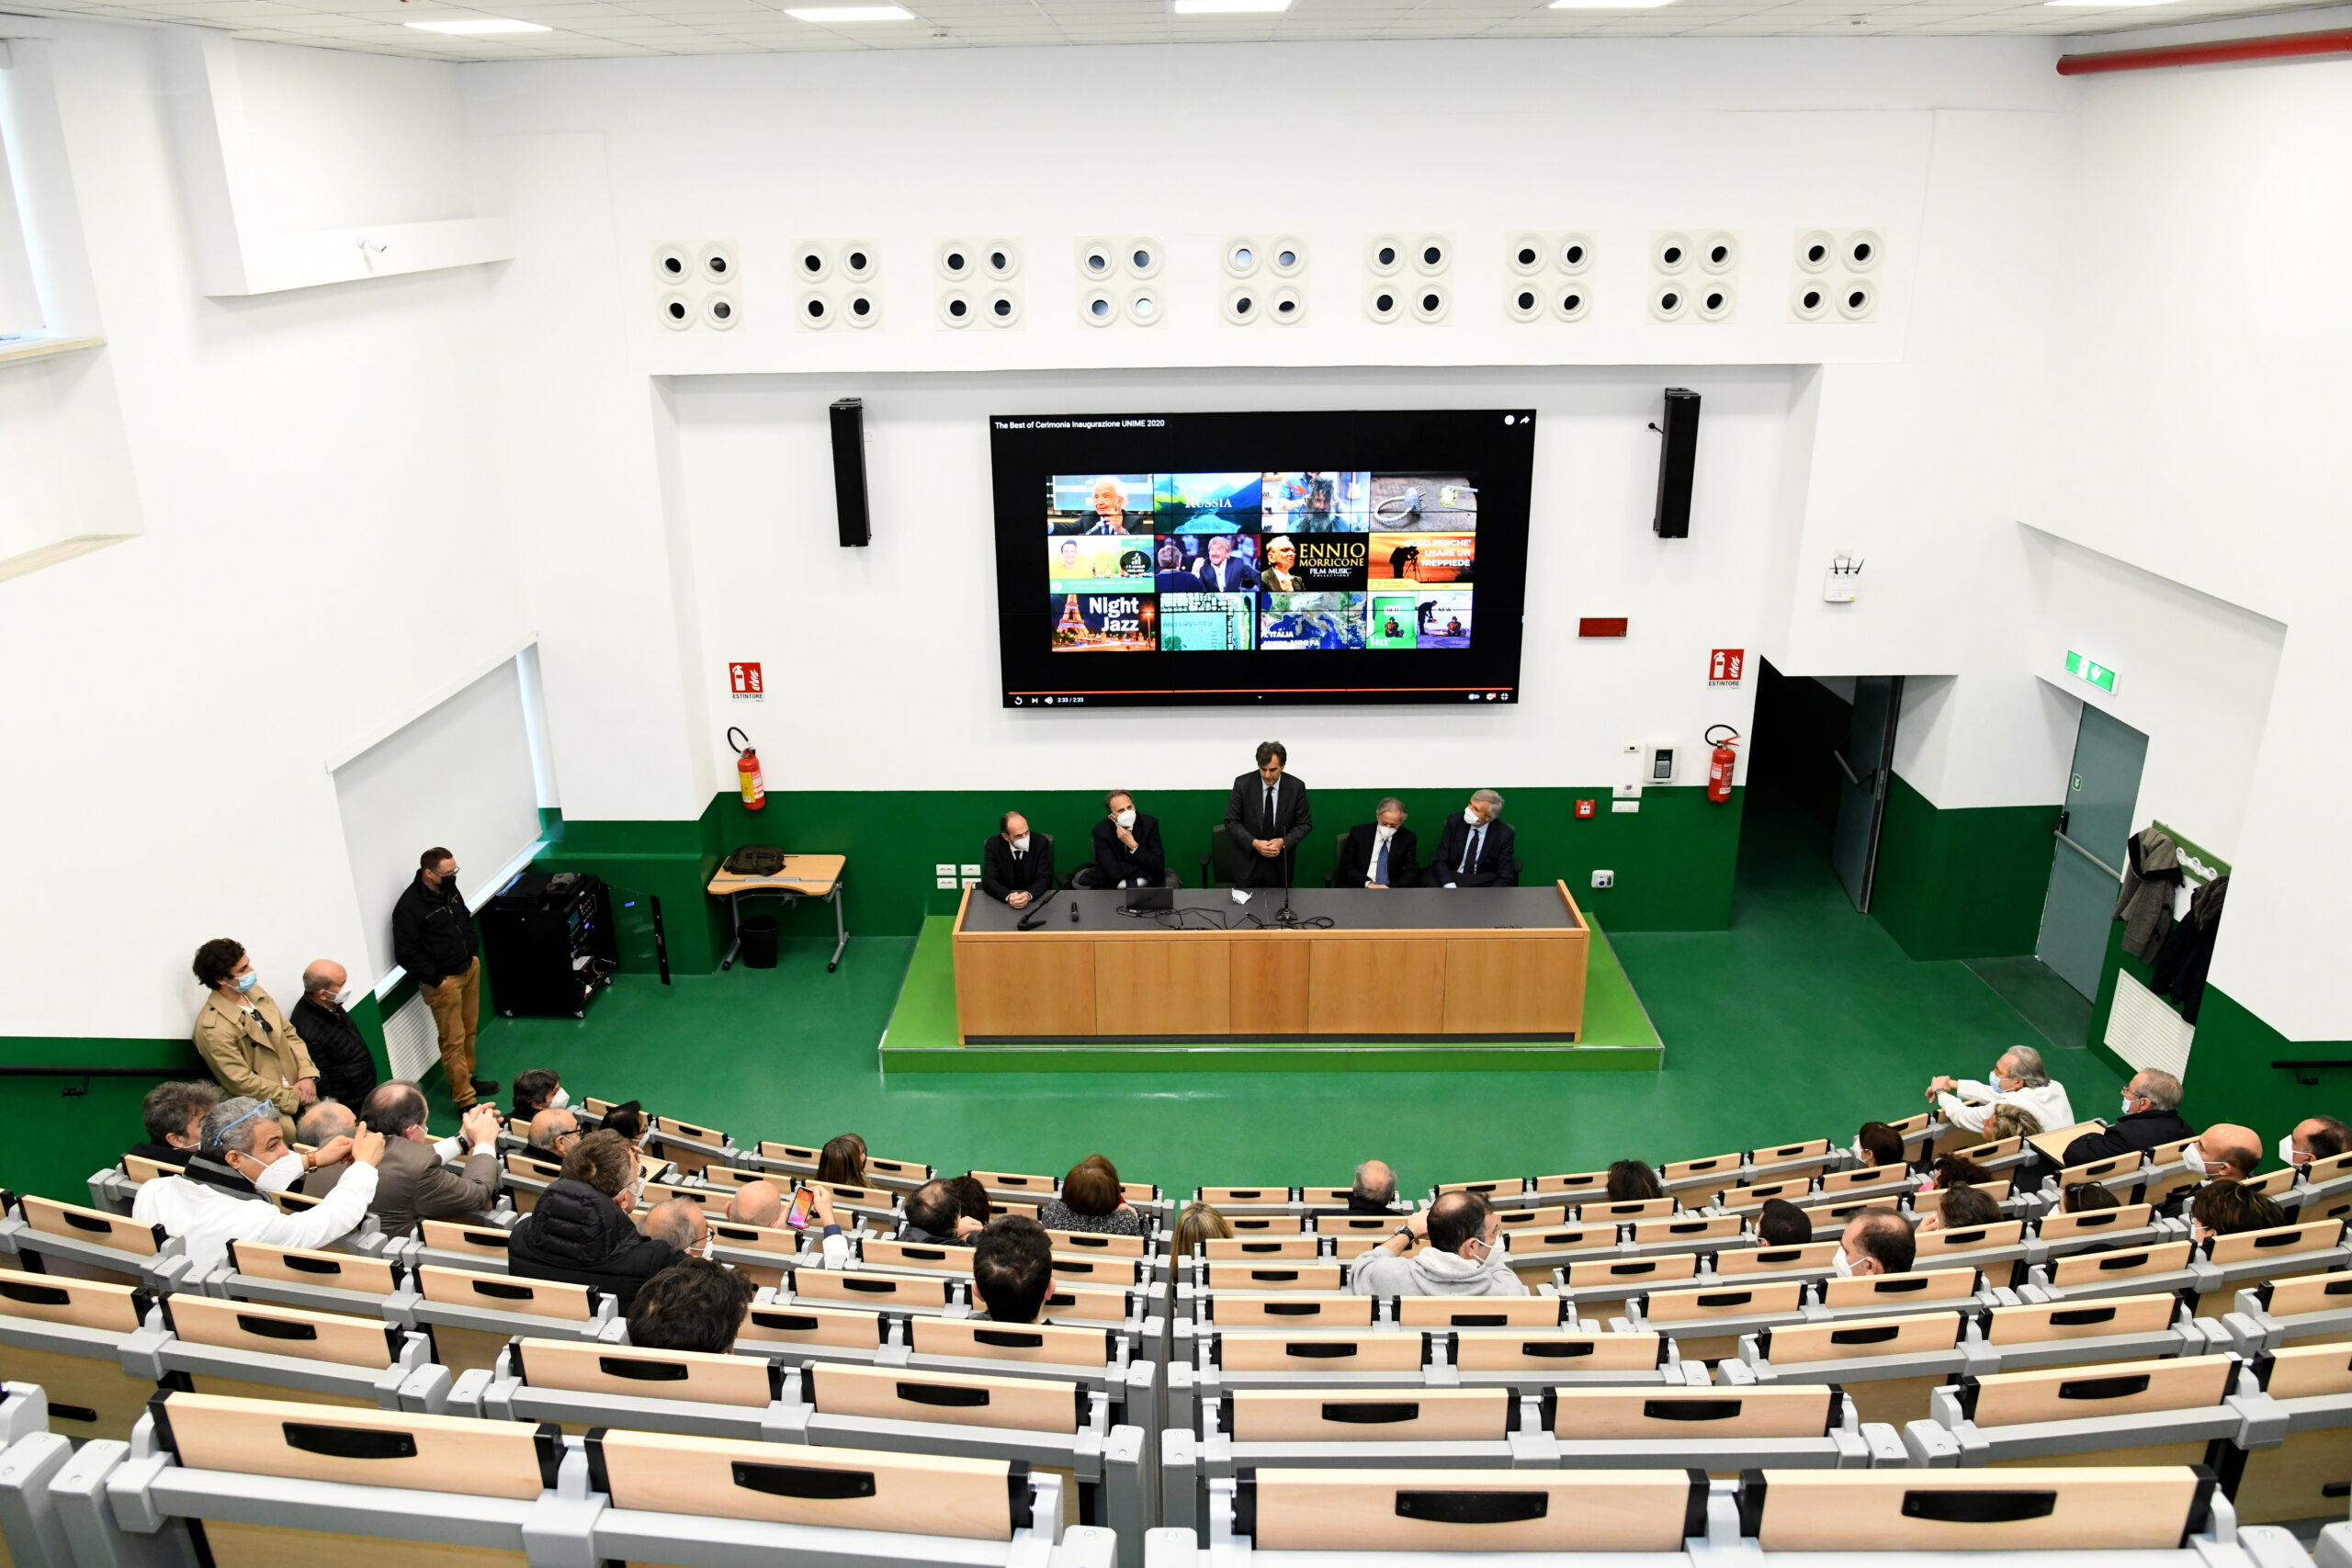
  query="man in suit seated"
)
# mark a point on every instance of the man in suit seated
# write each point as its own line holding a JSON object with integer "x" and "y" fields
{"x": 1126, "y": 845}
{"x": 1013, "y": 870}
{"x": 1266, "y": 816}
{"x": 1379, "y": 853}
{"x": 1109, "y": 507}
{"x": 1225, "y": 573}
{"x": 1475, "y": 850}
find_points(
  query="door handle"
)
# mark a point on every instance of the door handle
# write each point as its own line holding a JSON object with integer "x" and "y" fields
{"x": 2060, "y": 834}
{"x": 1865, "y": 782}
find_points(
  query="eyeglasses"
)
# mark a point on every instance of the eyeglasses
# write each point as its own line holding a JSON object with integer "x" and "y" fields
{"x": 241, "y": 1122}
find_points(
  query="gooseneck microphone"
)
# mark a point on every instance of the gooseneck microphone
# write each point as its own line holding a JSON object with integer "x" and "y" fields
{"x": 1036, "y": 914}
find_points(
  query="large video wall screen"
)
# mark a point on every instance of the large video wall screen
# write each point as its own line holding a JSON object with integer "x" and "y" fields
{"x": 1166, "y": 559}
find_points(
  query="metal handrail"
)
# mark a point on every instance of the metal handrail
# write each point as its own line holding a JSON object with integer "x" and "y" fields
{"x": 75, "y": 1091}
{"x": 2060, "y": 834}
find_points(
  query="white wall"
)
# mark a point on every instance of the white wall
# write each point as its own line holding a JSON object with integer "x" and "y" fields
{"x": 1778, "y": 137}
{"x": 913, "y": 615}
{"x": 2199, "y": 436}
{"x": 321, "y": 559}
{"x": 2193, "y": 673}
{"x": 2102, "y": 318}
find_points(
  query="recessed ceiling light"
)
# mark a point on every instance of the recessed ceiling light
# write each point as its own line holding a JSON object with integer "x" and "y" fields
{"x": 478, "y": 27}
{"x": 1223, "y": 7}
{"x": 851, "y": 13}
{"x": 1607, "y": 5}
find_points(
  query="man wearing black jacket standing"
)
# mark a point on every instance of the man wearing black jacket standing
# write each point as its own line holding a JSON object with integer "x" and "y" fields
{"x": 347, "y": 1068}
{"x": 433, "y": 939}
{"x": 1266, "y": 816}
{"x": 2150, "y": 1116}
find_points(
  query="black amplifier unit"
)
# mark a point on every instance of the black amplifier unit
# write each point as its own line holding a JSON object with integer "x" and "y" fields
{"x": 549, "y": 944}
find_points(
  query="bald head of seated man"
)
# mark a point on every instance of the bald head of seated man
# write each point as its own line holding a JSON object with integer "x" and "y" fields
{"x": 554, "y": 1132}
{"x": 2226, "y": 1149}
{"x": 1374, "y": 1191}
{"x": 679, "y": 1222}
{"x": 756, "y": 1203}
{"x": 1876, "y": 1241}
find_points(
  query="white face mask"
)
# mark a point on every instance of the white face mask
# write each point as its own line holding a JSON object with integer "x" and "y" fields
{"x": 560, "y": 1098}
{"x": 2193, "y": 1157}
{"x": 1020, "y": 844}
{"x": 1470, "y": 816}
{"x": 280, "y": 1173}
{"x": 2127, "y": 1105}
{"x": 2288, "y": 1152}
{"x": 1126, "y": 819}
{"x": 1844, "y": 1265}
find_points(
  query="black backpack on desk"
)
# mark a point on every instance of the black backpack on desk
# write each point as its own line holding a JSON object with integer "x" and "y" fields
{"x": 754, "y": 860}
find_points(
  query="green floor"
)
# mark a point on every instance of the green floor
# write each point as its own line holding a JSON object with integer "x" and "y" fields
{"x": 1801, "y": 1021}
{"x": 2062, "y": 1013}
{"x": 919, "y": 1035}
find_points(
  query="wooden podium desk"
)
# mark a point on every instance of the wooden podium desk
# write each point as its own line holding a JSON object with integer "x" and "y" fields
{"x": 1416, "y": 963}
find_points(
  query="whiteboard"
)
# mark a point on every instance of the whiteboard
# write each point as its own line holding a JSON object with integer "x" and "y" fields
{"x": 458, "y": 777}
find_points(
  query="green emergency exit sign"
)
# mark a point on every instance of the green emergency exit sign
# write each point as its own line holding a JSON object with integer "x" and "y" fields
{"x": 2090, "y": 670}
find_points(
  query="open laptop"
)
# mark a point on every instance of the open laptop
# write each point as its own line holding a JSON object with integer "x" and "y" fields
{"x": 1141, "y": 899}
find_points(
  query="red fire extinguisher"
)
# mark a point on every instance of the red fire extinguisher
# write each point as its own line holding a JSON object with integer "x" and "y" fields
{"x": 747, "y": 772}
{"x": 1719, "y": 767}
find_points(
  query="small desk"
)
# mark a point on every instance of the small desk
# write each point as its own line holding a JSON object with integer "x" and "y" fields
{"x": 803, "y": 876}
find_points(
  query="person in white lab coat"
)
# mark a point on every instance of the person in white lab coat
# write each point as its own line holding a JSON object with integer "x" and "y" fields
{"x": 2018, "y": 1080}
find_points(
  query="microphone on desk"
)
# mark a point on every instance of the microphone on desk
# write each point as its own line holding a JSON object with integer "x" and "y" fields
{"x": 1035, "y": 915}
{"x": 1283, "y": 916}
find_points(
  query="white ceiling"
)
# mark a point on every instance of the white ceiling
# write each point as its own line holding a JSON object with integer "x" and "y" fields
{"x": 587, "y": 28}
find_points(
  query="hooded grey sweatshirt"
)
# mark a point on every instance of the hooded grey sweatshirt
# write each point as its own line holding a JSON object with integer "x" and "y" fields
{"x": 1434, "y": 1273}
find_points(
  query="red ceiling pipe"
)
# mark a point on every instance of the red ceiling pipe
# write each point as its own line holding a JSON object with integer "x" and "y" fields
{"x": 2287, "y": 47}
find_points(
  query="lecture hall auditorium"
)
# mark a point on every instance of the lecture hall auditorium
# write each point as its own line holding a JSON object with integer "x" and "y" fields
{"x": 1173, "y": 784}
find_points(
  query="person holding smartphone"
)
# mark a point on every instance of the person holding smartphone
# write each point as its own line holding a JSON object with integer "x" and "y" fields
{"x": 813, "y": 1205}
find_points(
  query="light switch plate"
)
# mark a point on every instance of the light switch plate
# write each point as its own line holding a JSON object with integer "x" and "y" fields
{"x": 1634, "y": 804}
{"x": 948, "y": 883}
{"x": 970, "y": 870}
{"x": 947, "y": 870}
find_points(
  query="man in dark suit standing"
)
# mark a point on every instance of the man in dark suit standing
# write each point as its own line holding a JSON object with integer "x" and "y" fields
{"x": 1266, "y": 816}
{"x": 1475, "y": 848}
{"x": 1379, "y": 854}
{"x": 1014, "y": 868}
{"x": 1126, "y": 845}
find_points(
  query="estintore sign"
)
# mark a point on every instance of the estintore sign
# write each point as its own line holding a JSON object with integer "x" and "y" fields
{"x": 1724, "y": 666}
{"x": 743, "y": 683}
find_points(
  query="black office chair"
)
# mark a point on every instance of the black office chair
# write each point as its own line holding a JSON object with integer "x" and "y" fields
{"x": 1090, "y": 875}
{"x": 1338, "y": 853}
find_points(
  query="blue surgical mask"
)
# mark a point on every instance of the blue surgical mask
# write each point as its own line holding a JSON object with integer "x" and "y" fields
{"x": 245, "y": 981}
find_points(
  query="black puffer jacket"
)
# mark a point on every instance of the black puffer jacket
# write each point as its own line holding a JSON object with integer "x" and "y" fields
{"x": 579, "y": 1236}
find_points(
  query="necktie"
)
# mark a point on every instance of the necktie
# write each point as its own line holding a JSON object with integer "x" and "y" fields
{"x": 1379, "y": 870}
{"x": 1269, "y": 811}
{"x": 1470, "y": 855}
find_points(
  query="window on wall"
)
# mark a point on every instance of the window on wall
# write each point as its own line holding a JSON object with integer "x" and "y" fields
{"x": 20, "y": 311}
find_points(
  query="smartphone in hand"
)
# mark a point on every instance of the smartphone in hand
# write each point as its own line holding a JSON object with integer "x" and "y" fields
{"x": 797, "y": 1215}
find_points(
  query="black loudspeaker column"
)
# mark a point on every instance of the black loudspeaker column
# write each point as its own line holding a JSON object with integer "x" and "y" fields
{"x": 1677, "y": 456}
{"x": 849, "y": 471}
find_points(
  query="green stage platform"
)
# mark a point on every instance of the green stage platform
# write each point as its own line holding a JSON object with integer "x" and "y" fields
{"x": 1619, "y": 1036}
